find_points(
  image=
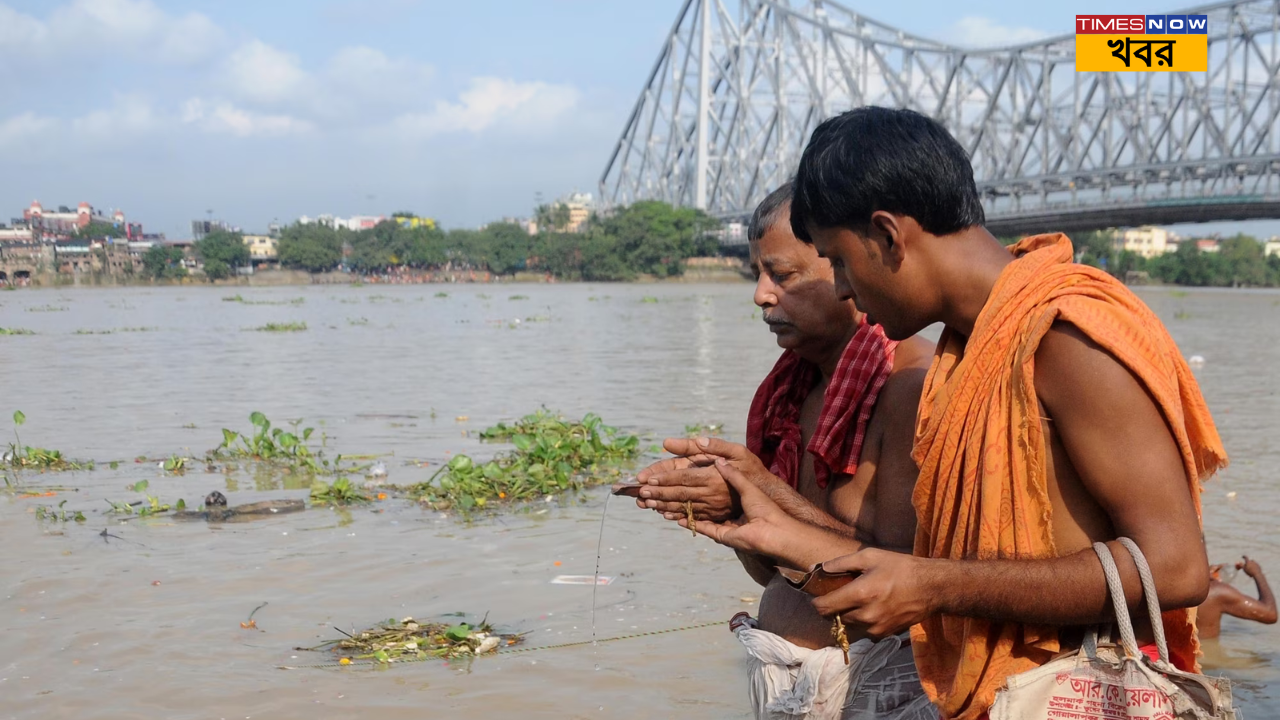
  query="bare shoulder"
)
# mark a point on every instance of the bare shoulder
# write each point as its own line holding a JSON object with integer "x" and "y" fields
{"x": 1071, "y": 369}
{"x": 914, "y": 353}
{"x": 900, "y": 397}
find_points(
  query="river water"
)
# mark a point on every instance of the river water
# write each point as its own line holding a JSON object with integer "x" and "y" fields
{"x": 147, "y": 624}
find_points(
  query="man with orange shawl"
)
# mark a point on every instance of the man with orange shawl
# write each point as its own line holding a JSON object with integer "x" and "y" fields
{"x": 1057, "y": 412}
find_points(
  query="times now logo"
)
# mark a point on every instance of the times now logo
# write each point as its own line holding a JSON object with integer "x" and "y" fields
{"x": 1142, "y": 24}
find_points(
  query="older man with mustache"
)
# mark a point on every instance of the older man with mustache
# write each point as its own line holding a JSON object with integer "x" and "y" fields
{"x": 829, "y": 439}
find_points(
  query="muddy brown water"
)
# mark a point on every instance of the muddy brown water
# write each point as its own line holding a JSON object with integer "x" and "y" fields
{"x": 149, "y": 626}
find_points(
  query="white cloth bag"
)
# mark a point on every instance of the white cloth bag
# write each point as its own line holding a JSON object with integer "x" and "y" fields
{"x": 1106, "y": 682}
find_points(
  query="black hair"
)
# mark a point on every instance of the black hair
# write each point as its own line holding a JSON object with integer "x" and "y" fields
{"x": 875, "y": 158}
{"x": 767, "y": 212}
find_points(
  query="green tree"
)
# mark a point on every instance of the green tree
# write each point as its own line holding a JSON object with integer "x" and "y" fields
{"x": 161, "y": 262}
{"x": 655, "y": 238}
{"x": 96, "y": 230}
{"x": 222, "y": 252}
{"x": 508, "y": 247}
{"x": 313, "y": 247}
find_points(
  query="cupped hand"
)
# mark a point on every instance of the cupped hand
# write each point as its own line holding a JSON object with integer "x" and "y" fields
{"x": 888, "y": 597}
{"x": 762, "y": 526}
{"x": 691, "y": 478}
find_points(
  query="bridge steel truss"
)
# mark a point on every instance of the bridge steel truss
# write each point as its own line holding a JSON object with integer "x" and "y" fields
{"x": 739, "y": 86}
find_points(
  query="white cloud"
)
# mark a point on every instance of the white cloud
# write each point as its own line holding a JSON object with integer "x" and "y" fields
{"x": 19, "y": 32}
{"x": 22, "y": 128}
{"x": 978, "y": 32}
{"x": 368, "y": 73}
{"x": 128, "y": 116}
{"x": 225, "y": 118}
{"x": 260, "y": 73}
{"x": 137, "y": 28}
{"x": 190, "y": 39}
{"x": 489, "y": 101}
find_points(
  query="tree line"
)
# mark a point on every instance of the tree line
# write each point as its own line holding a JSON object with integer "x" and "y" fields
{"x": 1239, "y": 262}
{"x": 650, "y": 238}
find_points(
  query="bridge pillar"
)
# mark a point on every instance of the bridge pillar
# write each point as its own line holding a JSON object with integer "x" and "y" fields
{"x": 704, "y": 106}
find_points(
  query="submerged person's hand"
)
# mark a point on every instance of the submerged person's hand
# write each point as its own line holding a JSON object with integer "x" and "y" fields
{"x": 1250, "y": 567}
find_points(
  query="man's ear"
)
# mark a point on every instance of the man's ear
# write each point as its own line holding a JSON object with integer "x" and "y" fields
{"x": 889, "y": 230}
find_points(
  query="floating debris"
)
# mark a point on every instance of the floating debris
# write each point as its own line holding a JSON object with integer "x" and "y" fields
{"x": 282, "y": 327}
{"x": 409, "y": 640}
{"x": 582, "y": 580}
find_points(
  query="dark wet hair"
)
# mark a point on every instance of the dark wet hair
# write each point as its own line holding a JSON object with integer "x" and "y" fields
{"x": 768, "y": 211}
{"x": 875, "y": 158}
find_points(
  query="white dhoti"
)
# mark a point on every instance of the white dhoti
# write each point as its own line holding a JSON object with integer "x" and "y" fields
{"x": 789, "y": 682}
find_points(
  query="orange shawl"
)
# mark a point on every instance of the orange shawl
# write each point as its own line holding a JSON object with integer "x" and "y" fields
{"x": 981, "y": 450}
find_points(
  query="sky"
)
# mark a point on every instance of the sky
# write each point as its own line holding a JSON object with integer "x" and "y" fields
{"x": 254, "y": 112}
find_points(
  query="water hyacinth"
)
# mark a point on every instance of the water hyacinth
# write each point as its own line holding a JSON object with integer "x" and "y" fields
{"x": 551, "y": 455}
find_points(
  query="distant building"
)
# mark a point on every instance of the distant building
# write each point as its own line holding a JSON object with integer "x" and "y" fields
{"x": 580, "y": 207}
{"x": 1271, "y": 247}
{"x": 201, "y": 228}
{"x": 262, "y": 248}
{"x": 413, "y": 221}
{"x": 1208, "y": 245}
{"x": 730, "y": 233}
{"x": 355, "y": 222}
{"x": 63, "y": 223}
{"x": 1147, "y": 242}
{"x": 95, "y": 256}
{"x": 20, "y": 233}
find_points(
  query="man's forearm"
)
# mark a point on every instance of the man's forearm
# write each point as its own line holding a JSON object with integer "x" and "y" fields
{"x": 1265, "y": 595}
{"x": 1070, "y": 590}
{"x": 801, "y": 545}
{"x": 795, "y": 505}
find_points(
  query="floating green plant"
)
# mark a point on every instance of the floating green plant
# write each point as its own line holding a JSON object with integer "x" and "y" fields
{"x": 701, "y": 429}
{"x": 243, "y": 301}
{"x": 26, "y": 457}
{"x": 282, "y": 327}
{"x": 59, "y": 513}
{"x": 339, "y": 492}
{"x": 115, "y": 330}
{"x": 518, "y": 297}
{"x": 442, "y": 295}
{"x": 551, "y": 455}
{"x": 150, "y": 505}
{"x": 648, "y": 299}
{"x": 48, "y": 308}
{"x": 15, "y": 331}
{"x": 287, "y": 450}
{"x": 409, "y": 640}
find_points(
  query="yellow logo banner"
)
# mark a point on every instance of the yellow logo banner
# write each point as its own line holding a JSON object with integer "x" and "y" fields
{"x": 1142, "y": 53}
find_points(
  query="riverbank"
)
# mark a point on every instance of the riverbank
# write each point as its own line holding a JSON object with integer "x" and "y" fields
{"x": 696, "y": 270}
